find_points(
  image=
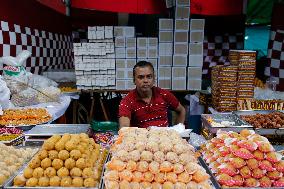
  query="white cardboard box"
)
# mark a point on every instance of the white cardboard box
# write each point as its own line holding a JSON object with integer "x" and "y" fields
{"x": 180, "y": 48}
{"x": 194, "y": 84}
{"x": 182, "y": 24}
{"x": 197, "y": 24}
{"x": 166, "y": 24}
{"x": 182, "y": 2}
{"x": 142, "y": 42}
{"x": 179, "y": 73}
{"x": 182, "y": 12}
{"x": 165, "y": 36}
{"x": 196, "y": 48}
{"x": 196, "y": 36}
{"x": 165, "y": 61}
{"x": 165, "y": 49}
{"x": 179, "y": 84}
{"x": 181, "y": 37}
{"x": 180, "y": 60}
{"x": 195, "y": 61}
{"x": 194, "y": 72}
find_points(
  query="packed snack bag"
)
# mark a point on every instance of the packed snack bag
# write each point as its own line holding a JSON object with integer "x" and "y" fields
{"x": 244, "y": 160}
{"x": 153, "y": 159}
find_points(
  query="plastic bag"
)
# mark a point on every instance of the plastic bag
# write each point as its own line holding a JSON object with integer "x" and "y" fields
{"x": 4, "y": 95}
{"x": 26, "y": 97}
{"x": 196, "y": 140}
{"x": 14, "y": 73}
{"x": 38, "y": 81}
{"x": 48, "y": 94}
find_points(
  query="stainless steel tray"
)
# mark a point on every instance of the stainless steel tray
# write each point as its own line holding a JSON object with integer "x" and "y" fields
{"x": 218, "y": 186}
{"x": 9, "y": 183}
{"x": 252, "y": 112}
{"x": 24, "y": 164}
{"x": 239, "y": 124}
{"x": 52, "y": 129}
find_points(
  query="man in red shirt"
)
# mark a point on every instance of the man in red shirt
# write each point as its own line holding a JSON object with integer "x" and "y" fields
{"x": 148, "y": 105}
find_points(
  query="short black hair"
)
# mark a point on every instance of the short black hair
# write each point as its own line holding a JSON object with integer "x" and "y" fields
{"x": 143, "y": 64}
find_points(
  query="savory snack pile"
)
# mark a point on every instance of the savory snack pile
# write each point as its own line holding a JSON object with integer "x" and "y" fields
{"x": 28, "y": 116}
{"x": 153, "y": 159}
{"x": 244, "y": 160}
{"x": 11, "y": 159}
{"x": 271, "y": 120}
{"x": 70, "y": 160}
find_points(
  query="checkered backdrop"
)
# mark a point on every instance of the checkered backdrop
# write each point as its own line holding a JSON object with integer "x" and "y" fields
{"x": 216, "y": 50}
{"x": 275, "y": 55}
{"x": 49, "y": 50}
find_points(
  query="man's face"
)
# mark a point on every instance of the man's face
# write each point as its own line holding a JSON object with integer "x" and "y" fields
{"x": 144, "y": 78}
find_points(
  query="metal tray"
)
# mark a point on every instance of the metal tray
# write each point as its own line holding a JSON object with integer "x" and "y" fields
{"x": 218, "y": 186}
{"x": 239, "y": 124}
{"x": 24, "y": 164}
{"x": 252, "y": 112}
{"x": 52, "y": 129}
{"x": 15, "y": 142}
{"x": 9, "y": 183}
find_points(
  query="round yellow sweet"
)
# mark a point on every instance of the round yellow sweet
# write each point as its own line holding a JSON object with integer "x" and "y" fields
{"x": 42, "y": 154}
{"x": 53, "y": 154}
{"x": 59, "y": 145}
{"x": 45, "y": 163}
{"x": 75, "y": 154}
{"x": 63, "y": 155}
{"x": 54, "y": 181}
{"x": 38, "y": 172}
{"x": 77, "y": 182}
{"x": 81, "y": 163}
{"x": 66, "y": 182}
{"x": 88, "y": 172}
{"x": 57, "y": 163}
{"x": 28, "y": 172}
{"x": 19, "y": 180}
{"x": 35, "y": 162}
{"x": 69, "y": 163}
{"x": 90, "y": 182}
{"x": 32, "y": 182}
{"x": 50, "y": 172}
{"x": 75, "y": 172}
{"x": 43, "y": 181}
{"x": 63, "y": 172}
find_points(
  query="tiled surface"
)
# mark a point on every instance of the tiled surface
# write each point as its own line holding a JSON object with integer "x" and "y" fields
{"x": 49, "y": 50}
{"x": 275, "y": 55}
{"x": 216, "y": 50}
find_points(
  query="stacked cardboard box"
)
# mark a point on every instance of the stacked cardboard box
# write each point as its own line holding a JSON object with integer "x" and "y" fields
{"x": 246, "y": 62}
{"x": 95, "y": 61}
{"x": 165, "y": 52}
{"x": 224, "y": 88}
{"x": 125, "y": 56}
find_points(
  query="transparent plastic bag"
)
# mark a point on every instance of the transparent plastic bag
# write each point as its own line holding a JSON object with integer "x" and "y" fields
{"x": 38, "y": 81}
{"x": 48, "y": 94}
{"x": 14, "y": 73}
{"x": 4, "y": 95}
{"x": 196, "y": 140}
{"x": 26, "y": 97}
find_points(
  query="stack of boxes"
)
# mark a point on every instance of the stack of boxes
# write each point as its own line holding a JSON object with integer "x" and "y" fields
{"x": 235, "y": 82}
{"x": 165, "y": 53}
{"x": 180, "y": 53}
{"x": 224, "y": 88}
{"x": 125, "y": 56}
{"x": 246, "y": 62}
{"x": 195, "y": 58}
{"x": 128, "y": 51}
{"x": 95, "y": 61}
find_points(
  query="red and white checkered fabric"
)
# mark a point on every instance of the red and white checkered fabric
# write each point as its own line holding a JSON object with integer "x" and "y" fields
{"x": 49, "y": 50}
{"x": 275, "y": 55}
{"x": 216, "y": 50}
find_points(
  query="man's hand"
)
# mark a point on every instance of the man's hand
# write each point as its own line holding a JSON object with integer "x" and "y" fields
{"x": 124, "y": 122}
{"x": 180, "y": 114}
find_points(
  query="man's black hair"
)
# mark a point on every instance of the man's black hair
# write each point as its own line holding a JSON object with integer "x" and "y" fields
{"x": 142, "y": 64}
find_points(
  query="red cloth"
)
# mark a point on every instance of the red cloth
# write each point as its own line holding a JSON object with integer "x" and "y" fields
{"x": 144, "y": 115}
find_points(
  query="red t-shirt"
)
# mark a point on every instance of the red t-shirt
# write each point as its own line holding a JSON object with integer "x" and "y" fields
{"x": 144, "y": 115}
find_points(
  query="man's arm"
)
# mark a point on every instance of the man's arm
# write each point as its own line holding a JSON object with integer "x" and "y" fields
{"x": 180, "y": 114}
{"x": 124, "y": 122}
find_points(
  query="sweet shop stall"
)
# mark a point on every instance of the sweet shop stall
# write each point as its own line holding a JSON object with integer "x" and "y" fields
{"x": 92, "y": 46}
